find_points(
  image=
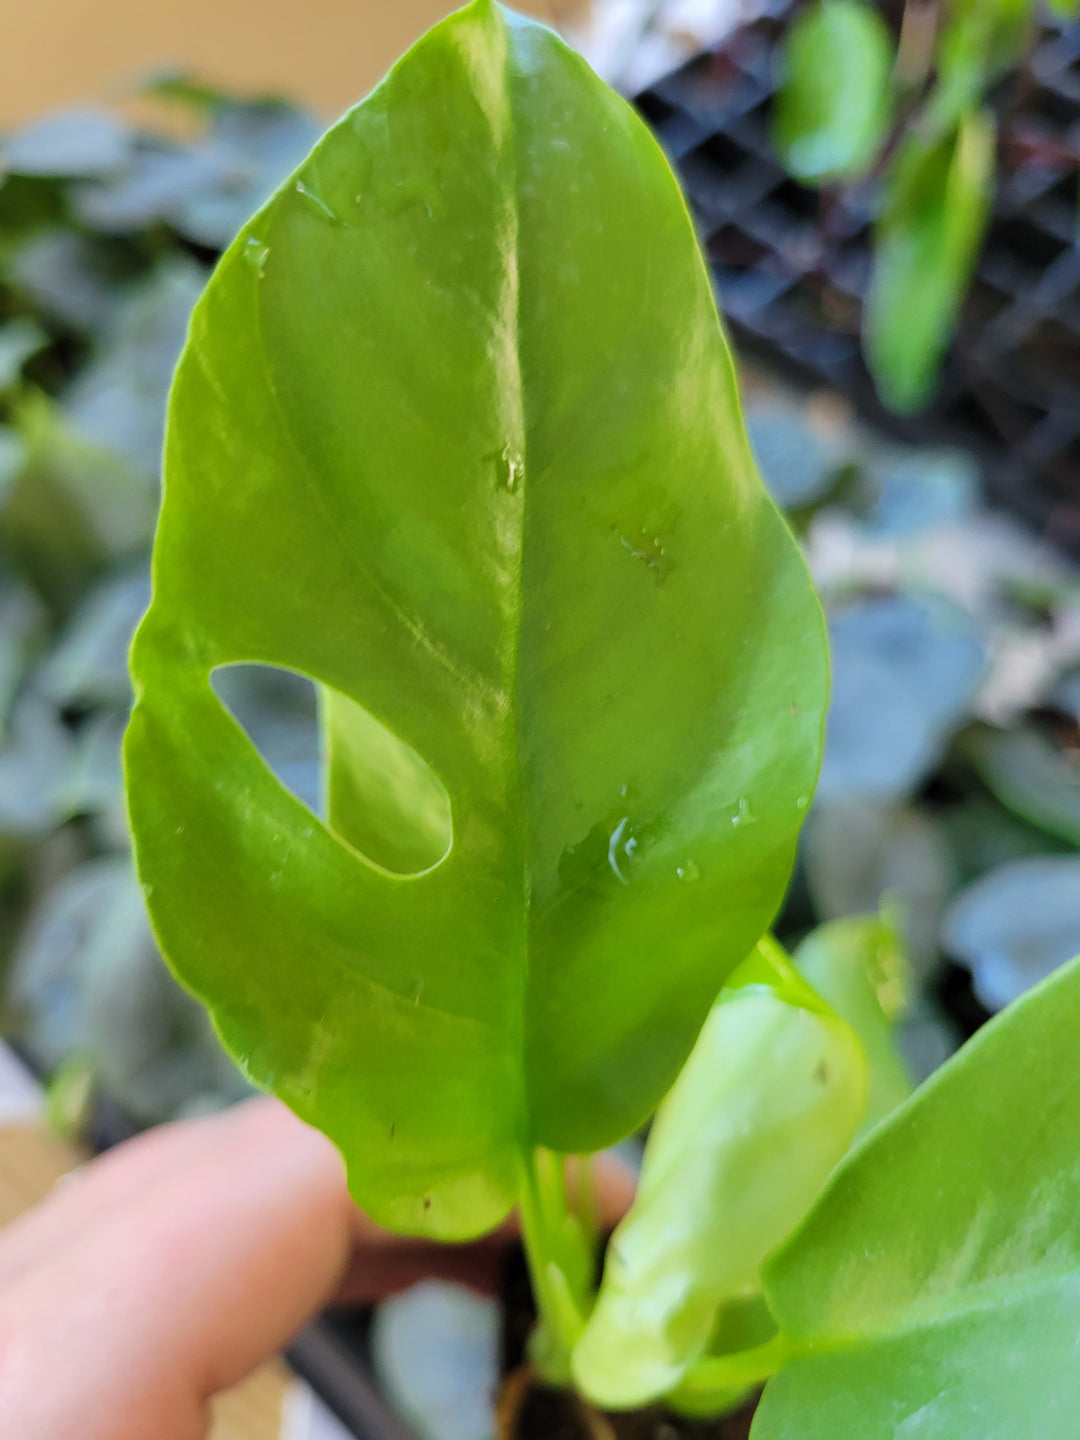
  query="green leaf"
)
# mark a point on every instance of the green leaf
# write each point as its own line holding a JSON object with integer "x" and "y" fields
{"x": 73, "y": 507}
{"x": 835, "y": 99}
{"x": 456, "y": 434}
{"x": 858, "y": 968}
{"x": 926, "y": 244}
{"x": 766, "y": 1105}
{"x": 1031, "y": 776}
{"x": 981, "y": 40}
{"x": 934, "y": 1291}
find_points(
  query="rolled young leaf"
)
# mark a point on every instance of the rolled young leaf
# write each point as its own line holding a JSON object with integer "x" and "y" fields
{"x": 835, "y": 99}
{"x": 766, "y": 1105}
{"x": 456, "y": 434}
{"x": 934, "y": 1290}
{"x": 857, "y": 966}
{"x": 925, "y": 247}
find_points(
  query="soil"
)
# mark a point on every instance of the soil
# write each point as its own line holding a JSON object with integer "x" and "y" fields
{"x": 529, "y": 1410}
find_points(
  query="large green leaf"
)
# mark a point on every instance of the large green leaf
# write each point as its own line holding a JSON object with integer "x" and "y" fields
{"x": 934, "y": 1291}
{"x": 456, "y": 434}
{"x": 835, "y": 99}
{"x": 925, "y": 248}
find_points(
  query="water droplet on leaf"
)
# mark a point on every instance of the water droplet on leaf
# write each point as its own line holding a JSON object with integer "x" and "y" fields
{"x": 256, "y": 253}
{"x": 743, "y": 814}
{"x": 621, "y": 846}
{"x": 688, "y": 872}
{"x": 319, "y": 203}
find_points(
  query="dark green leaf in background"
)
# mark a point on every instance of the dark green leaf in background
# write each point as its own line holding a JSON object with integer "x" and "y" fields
{"x": 926, "y": 244}
{"x": 1032, "y": 776}
{"x": 457, "y": 435}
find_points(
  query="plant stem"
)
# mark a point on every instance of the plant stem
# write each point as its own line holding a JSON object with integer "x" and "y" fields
{"x": 548, "y": 1232}
{"x": 744, "y": 1368}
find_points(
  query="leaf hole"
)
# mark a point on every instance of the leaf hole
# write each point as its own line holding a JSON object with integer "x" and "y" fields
{"x": 371, "y": 789}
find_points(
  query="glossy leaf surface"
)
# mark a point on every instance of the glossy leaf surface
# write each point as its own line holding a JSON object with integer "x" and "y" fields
{"x": 766, "y": 1105}
{"x": 935, "y": 1288}
{"x": 926, "y": 244}
{"x": 456, "y": 434}
{"x": 835, "y": 99}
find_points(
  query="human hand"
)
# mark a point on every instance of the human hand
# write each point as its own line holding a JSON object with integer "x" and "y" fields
{"x": 164, "y": 1272}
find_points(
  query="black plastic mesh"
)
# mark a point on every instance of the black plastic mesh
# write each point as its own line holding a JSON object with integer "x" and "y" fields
{"x": 791, "y": 270}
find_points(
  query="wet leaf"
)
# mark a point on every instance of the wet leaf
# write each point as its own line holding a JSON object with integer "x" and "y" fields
{"x": 425, "y": 449}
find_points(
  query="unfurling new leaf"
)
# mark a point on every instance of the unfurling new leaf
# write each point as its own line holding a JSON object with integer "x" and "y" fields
{"x": 766, "y": 1105}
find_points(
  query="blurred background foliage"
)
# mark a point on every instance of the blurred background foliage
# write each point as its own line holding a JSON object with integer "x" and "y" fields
{"x": 951, "y": 787}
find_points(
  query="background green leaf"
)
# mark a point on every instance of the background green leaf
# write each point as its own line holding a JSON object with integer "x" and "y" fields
{"x": 1035, "y": 778}
{"x": 925, "y": 247}
{"x": 935, "y": 1288}
{"x": 980, "y": 40}
{"x": 456, "y": 434}
{"x": 835, "y": 100}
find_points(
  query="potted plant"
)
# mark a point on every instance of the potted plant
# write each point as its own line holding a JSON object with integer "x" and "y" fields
{"x": 456, "y": 435}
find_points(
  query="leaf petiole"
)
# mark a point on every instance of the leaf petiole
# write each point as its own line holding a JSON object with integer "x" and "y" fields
{"x": 558, "y": 1251}
{"x": 720, "y": 1375}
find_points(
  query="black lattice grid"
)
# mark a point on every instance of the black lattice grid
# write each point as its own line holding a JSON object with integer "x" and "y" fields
{"x": 791, "y": 270}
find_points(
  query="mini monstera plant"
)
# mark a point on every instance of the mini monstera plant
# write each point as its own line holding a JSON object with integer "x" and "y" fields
{"x": 456, "y": 436}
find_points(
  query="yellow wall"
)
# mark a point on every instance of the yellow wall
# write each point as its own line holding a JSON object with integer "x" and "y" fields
{"x": 327, "y": 52}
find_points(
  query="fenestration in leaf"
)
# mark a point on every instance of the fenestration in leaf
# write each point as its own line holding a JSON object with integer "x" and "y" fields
{"x": 934, "y": 1291}
{"x": 456, "y": 434}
